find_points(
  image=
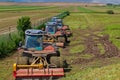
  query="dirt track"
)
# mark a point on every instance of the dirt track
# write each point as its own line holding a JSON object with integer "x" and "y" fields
{"x": 91, "y": 43}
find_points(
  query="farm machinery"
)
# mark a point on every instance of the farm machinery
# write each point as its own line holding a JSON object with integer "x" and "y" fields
{"x": 38, "y": 59}
{"x": 54, "y": 34}
{"x": 61, "y": 26}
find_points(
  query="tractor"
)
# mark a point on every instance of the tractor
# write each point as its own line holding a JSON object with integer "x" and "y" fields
{"x": 53, "y": 33}
{"x": 38, "y": 59}
{"x": 61, "y": 26}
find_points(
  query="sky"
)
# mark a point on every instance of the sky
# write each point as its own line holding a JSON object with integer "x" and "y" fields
{"x": 101, "y": 1}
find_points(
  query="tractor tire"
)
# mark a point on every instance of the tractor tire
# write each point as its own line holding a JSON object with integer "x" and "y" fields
{"x": 58, "y": 53}
{"x": 58, "y": 61}
{"x": 61, "y": 39}
{"x": 22, "y": 60}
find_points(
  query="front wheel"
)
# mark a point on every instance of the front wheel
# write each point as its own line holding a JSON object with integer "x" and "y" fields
{"x": 22, "y": 60}
{"x": 61, "y": 39}
{"x": 59, "y": 62}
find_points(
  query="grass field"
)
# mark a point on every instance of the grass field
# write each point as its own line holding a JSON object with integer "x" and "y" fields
{"x": 89, "y": 22}
{"x": 10, "y": 14}
{"x": 103, "y": 9}
{"x": 84, "y": 22}
{"x": 23, "y": 8}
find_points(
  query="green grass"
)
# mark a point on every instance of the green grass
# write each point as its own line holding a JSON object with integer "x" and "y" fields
{"x": 101, "y": 47}
{"x": 99, "y": 69}
{"x": 85, "y": 10}
{"x": 114, "y": 36}
{"x": 86, "y": 56}
{"x": 23, "y": 8}
{"x": 113, "y": 27}
{"x": 114, "y": 32}
{"x": 6, "y": 68}
{"x": 77, "y": 49}
{"x": 79, "y": 22}
{"x": 103, "y": 9}
{"x": 111, "y": 72}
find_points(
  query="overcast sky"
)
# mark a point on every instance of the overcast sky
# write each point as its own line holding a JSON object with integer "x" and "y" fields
{"x": 101, "y": 1}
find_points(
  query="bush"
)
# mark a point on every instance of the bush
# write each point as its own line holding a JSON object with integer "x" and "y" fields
{"x": 42, "y": 26}
{"x": 23, "y": 24}
{"x": 6, "y": 48}
{"x": 110, "y": 12}
{"x": 64, "y": 14}
{"x": 8, "y": 44}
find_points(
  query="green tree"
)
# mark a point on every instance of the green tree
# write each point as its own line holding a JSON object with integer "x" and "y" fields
{"x": 23, "y": 24}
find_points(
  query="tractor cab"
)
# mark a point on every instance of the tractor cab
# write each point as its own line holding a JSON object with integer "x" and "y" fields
{"x": 51, "y": 27}
{"x": 53, "y": 19}
{"x": 34, "y": 39}
{"x": 58, "y": 21}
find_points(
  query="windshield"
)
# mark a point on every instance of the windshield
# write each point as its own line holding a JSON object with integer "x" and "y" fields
{"x": 54, "y": 19}
{"x": 59, "y": 25}
{"x": 34, "y": 41}
{"x": 49, "y": 28}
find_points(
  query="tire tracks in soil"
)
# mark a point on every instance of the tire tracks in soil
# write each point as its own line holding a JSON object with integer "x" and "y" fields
{"x": 91, "y": 43}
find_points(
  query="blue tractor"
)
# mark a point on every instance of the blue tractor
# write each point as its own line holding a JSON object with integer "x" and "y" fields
{"x": 58, "y": 35}
{"x": 37, "y": 59}
{"x": 61, "y": 26}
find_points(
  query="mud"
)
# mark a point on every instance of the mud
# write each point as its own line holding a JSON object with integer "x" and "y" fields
{"x": 110, "y": 49}
{"x": 91, "y": 43}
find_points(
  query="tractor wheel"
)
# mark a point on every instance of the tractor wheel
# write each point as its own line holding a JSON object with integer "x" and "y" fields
{"x": 58, "y": 53}
{"x": 61, "y": 39}
{"x": 58, "y": 61}
{"x": 23, "y": 60}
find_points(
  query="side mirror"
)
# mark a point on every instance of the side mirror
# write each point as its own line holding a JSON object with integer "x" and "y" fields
{"x": 20, "y": 44}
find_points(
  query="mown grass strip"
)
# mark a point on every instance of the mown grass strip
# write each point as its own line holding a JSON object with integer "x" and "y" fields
{"x": 77, "y": 49}
{"x": 114, "y": 32}
{"x": 85, "y": 10}
{"x": 23, "y": 8}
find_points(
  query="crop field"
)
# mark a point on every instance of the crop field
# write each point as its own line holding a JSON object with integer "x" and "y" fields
{"x": 10, "y": 14}
{"x": 94, "y": 49}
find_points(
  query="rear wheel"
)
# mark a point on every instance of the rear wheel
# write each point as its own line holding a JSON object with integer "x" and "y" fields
{"x": 57, "y": 61}
{"x": 61, "y": 39}
{"x": 22, "y": 60}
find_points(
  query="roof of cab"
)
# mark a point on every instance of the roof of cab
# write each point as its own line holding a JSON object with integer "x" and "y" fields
{"x": 33, "y": 32}
{"x": 51, "y": 23}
